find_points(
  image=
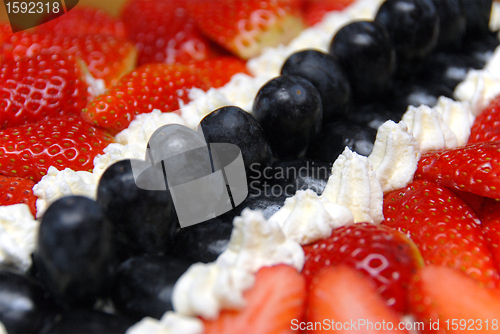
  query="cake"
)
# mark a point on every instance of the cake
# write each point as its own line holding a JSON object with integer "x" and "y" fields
{"x": 354, "y": 193}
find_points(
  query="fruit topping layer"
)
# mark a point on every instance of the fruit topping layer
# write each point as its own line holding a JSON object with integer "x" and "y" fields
{"x": 369, "y": 143}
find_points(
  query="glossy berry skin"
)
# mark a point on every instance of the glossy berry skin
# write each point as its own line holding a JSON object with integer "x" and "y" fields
{"x": 290, "y": 112}
{"x": 452, "y": 24}
{"x": 16, "y": 190}
{"x": 144, "y": 285}
{"x": 205, "y": 241}
{"x": 236, "y": 126}
{"x": 25, "y": 306}
{"x": 90, "y": 321}
{"x": 486, "y": 126}
{"x": 75, "y": 255}
{"x": 384, "y": 255}
{"x": 327, "y": 75}
{"x": 334, "y": 137}
{"x": 144, "y": 221}
{"x": 413, "y": 26}
{"x": 365, "y": 52}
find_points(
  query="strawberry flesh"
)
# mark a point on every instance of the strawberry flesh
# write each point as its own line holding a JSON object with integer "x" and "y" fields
{"x": 16, "y": 190}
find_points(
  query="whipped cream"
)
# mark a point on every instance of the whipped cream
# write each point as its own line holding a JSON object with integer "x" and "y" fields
{"x": 354, "y": 185}
{"x": 429, "y": 128}
{"x": 307, "y": 217}
{"x": 205, "y": 289}
{"x": 458, "y": 116}
{"x": 170, "y": 323}
{"x": 478, "y": 88}
{"x": 2, "y": 329}
{"x": 394, "y": 156}
{"x": 18, "y": 230}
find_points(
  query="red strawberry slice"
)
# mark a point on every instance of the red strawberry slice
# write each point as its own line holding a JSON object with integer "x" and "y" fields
{"x": 39, "y": 88}
{"x": 473, "y": 168}
{"x": 107, "y": 57}
{"x": 315, "y": 10}
{"x": 447, "y": 301}
{"x": 443, "y": 226}
{"x": 83, "y": 20}
{"x": 65, "y": 142}
{"x": 246, "y": 27}
{"x": 344, "y": 301}
{"x": 486, "y": 127}
{"x": 218, "y": 71}
{"x": 385, "y": 255}
{"x": 163, "y": 32}
{"x": 276, "y": 299}
{"x": 15, "y": 190}
{"x": 153, "y": 86}
{"x": 492, "y": 235}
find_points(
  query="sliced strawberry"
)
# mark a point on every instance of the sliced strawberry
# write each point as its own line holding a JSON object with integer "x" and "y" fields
{"x": 5, "y": 32}
{"x": 443, "y": 226}
{"x": 163, "y": 32}
{"x": 447, "y": 301}
{"x": 218, "y": 71}
{"x": 39, "y": 88}
{"x": 107, "y": 57}
{"x": 276, "y": 299}
{"x": 246, "y": 27}
{"x": 16, "y": 190}
{"x": 344, "y": 301}
{"x": 385, "y": 255}
{"x": 84, "y": 20}
{"x": 492, "y": 235}
{"x": 315, "y": 10}
{"x": 474, "y": 168}
{"x": 153, "y": 86}
{"x": 486, "y": 127}
{"x": 65, "y": 142}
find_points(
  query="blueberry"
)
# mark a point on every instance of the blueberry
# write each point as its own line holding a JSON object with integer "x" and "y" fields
{"x": 413, "y": 26}
{"x": 334, "y": 137}
{"x": 268, "y": 199}
{"x": 375, "y": 114}
{"x": 91, "y": 322}
{"x": 289, "y": 110}
{"x": 416, "y": 93}
{"x": 205, "y": 241}
{"x": 481, "y": 48}
{"x": 326, "y": 74}
{"x": 477, "y": 13}
{"x": 452, "y": 24}
{"x": 449, "y": 69}
{"x": 144, "y": 221}
{"x": 75, "y": 253}
{"x": 25, "y": 306}
{"x": 236, "y": 126}
{"x": 365, "y": 51}
{"x": 144, "y": 285}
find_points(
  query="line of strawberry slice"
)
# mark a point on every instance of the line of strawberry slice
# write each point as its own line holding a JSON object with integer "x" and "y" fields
{"x": 315, "y": 10}
{"x": 473, "y": 168}
{"x": 64, "y": 142}
{"x": 218, "y": 71}
{"x": 16, "y": 190}
{"x": 341, "y": 300}
{"x": 41, "y": 87}
{"x": 152, "y": 86}
{"x": 383, "y": 254}
{"x": 163, "y": 32}
{"x": 107, "y": 57}
{"x": 246, "y": 27}
{"x": 447, "y": 301}
{"x": 486, "y": 126}
{"x": 275, "y": 300}
{"x": 83, "y": 20}
{"x": 443, "y": 226}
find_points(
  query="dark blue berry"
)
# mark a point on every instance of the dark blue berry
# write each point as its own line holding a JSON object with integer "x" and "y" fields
{"x": 334, "y": 137}
{"x": 144, "y": 285}
{"x": 91, "y": 322}
{"x": 413, "y": 26}
{"x": 144, "y": 221}
{"x": 477, "y": 13}
{"x": 329, "y": 78}
{"x": 416, "y": 93}
{"x": 375, "y": 114}
{"x": 236, "y": 126}
{"x": 452, "y": 24}
{"x": 205, "y": 241}
{"x": 289, "y": 110}
{"x": 365, "y": 51}
{"x": 75, "y": 255}
{"x": 481, "y": 47}
{"x": 25, "y": 306}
